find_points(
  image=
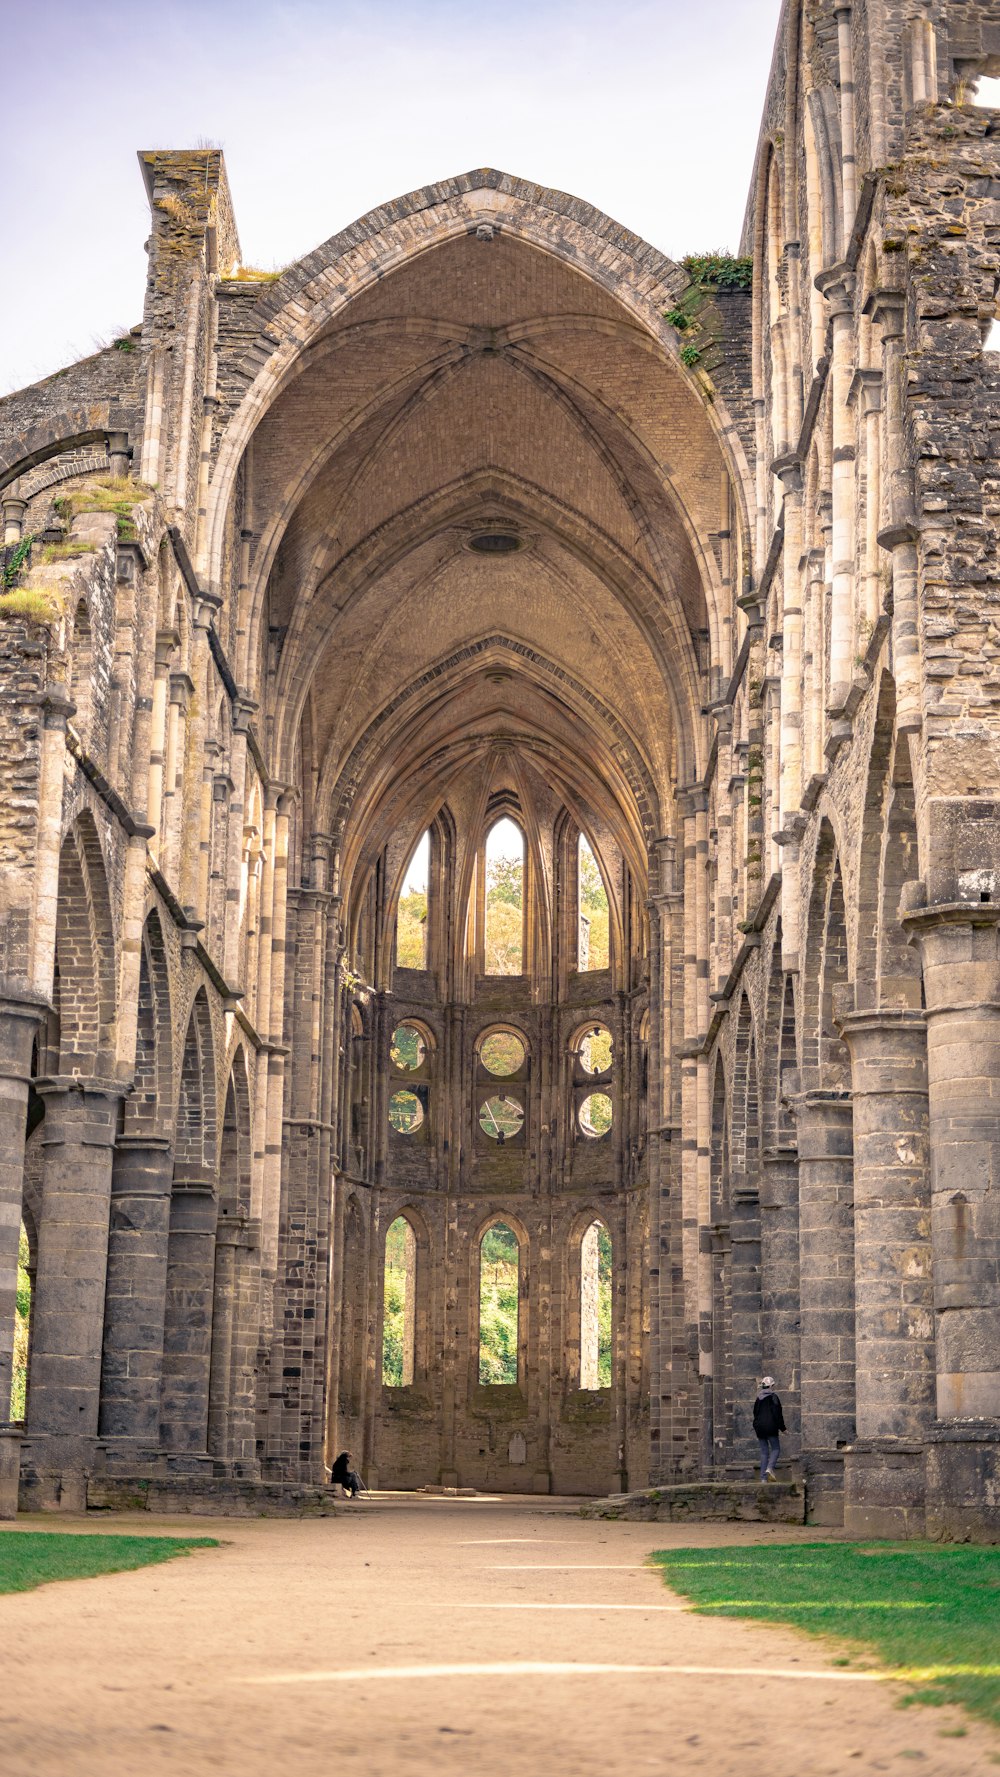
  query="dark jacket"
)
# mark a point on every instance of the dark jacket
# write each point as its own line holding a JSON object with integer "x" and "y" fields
{"x": 341, "y": 1469}
{"x": 768, "y": 1418}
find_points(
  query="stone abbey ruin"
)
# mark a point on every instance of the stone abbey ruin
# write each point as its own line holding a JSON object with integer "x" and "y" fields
{"x": 500, "y": 850}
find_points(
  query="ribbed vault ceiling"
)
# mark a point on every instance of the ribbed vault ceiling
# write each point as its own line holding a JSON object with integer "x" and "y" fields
{"x": 484, "y": 385}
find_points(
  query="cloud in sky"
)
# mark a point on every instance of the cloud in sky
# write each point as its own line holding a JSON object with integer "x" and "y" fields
{"x": 649, "y": 109}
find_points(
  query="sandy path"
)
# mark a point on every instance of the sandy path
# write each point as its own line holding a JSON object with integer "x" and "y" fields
{"x": 415, "y": 1636}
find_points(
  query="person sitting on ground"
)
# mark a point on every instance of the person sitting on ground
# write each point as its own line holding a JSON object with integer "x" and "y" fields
{"x": 768, "y": 1421}
{"x": 345, "y": 1476}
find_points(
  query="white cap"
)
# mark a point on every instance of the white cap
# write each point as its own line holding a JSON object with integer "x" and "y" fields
{"x": 767, "y": 1382}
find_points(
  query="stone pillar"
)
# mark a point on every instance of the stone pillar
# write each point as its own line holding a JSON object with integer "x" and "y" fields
{"x": 837, "y": 286}
{"x": 780, "y": 1292}
{"x": 960, "y": 949}
{"x": 78, "y": 1135}
{"x": 826, "y": 1278}
{"x": 232, "y": 1397}
{"x": 136, "y": 1294}
{"x": 119, "y": 455}
{"x": 187, "y": 1337}
{"x": 18, "y": 1024}
{"x": 884, "y": 1468}
{"x": 13, "y": 519}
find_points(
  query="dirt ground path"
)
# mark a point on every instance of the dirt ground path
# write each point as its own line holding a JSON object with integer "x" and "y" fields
{"x": 467, "y": 1638}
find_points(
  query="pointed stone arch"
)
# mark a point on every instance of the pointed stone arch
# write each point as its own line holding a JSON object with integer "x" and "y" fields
{"x": 84, "y": 954}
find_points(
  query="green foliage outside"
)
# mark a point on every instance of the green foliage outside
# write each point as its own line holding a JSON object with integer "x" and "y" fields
{"x": 394, "y": 1304}
{"x": 406, "y": 1112}
{"x": 596, "y": 1113}
{"x": 501, "y": 1116}
{"x": 504, "y": 938}
{"x": 502, "y": 1053}
{"x": 407, "y": 1049}
{"x": 22, "y": 1318}
{"x": 411, "y": 930}
{"x": 594, "y": 905}
{"x": 595, "y": 1050}
{"x": 498, "y": 1298}
{"x": 930, "y": 1613}
{"x": 603, "y": 1307}
{"x": 30, "y": 1558}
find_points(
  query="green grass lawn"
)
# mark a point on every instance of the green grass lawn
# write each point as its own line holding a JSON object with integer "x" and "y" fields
{"x": 33, "y": 1557}
{"x": 930, "y": 1613}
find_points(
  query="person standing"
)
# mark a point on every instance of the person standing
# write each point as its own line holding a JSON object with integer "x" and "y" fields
{"x": 768, "y": 1421}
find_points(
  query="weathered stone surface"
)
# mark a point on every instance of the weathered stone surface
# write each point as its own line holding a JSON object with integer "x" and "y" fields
{"x": 487, "y": 510}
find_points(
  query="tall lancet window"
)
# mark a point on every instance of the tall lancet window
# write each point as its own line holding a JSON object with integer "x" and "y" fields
{"x": 411, "y": 914}
{"x": 593, "y": 948}
{"x": 504, "y": 901}
{"x": 595, "y": 1307}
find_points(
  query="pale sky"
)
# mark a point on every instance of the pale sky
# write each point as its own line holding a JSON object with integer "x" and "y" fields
{"x": 649, "y": 109}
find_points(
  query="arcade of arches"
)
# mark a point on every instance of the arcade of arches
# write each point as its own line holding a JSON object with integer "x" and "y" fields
{"x": 500, "y": 851}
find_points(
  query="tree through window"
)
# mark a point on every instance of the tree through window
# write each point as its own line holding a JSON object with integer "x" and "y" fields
{"x": 499, "y": 1293}
{"x": 594, "y": 945}
{"x": 504, "y": 926}
{"x": 411, "y": 914}
{"x": 399, "y": 1305}
{"x": 22, "y": 1321}
{"x": 595, "y": 1307}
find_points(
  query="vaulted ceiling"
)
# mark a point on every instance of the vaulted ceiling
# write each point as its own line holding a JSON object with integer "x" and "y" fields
{"x": 485, "y": 388}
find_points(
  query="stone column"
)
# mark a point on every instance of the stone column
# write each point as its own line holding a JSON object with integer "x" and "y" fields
{"x": 19, "y": 1020}
{"x": 136, "y": 1294}
{"x": 187, "y": 1338}
{"x": 837, "y": 286}
{"x": 78, "y": 1135}
{"x": 960, "y": 949}
{"x": 231, "y": 1400}
{"x": 826, "y": 1276}
{"x": 884, "y": 1468}
{"x": 780, "y": 1290}
{"x": 13, "y": 518}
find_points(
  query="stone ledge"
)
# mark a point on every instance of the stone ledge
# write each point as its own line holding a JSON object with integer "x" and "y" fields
{"x": 209, "y": 1497}
{"x": 781, "y": 1502}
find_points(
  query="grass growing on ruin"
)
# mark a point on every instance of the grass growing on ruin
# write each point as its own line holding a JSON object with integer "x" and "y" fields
{"x": 930, "y": 1613}
{"x": 30, "y": 1558}
{"x": 26, "y": 602}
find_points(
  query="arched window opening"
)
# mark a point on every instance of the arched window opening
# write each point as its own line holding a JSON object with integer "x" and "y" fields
{"x": 595, "y": 1307}
{"x": 595, "y": 1050}
{"x": 408, "y": 1048}
{"x": 22, "y": 1327}
{"x": 499, "y": 1300}
{"x": 411, "y": 914}
{"x": 504, "y": 910}
{"x": 81, "y": 688}
{"x": 500, "y": 1118}
{"x": 502, "y": 1053}
{"x": 595, "y": 1115}
{"x": 399, "y": 1305}
{"x": 593, "y": 914}
{"x": 406, "y": 1112}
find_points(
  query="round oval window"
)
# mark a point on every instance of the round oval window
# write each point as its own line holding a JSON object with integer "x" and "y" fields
{"x": 595, "y": 1050}
{"x": 500, "y": 1118}
{"x": 595, "y": 1115}
{"x": 502, "y": 1053}
{"x": 408, "y": 1048}
{"x": 406, "y": 1113}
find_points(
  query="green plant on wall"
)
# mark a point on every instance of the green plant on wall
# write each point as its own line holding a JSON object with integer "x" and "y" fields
{"x": 14, "y": 565}
{"x": 707, "y": 273}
